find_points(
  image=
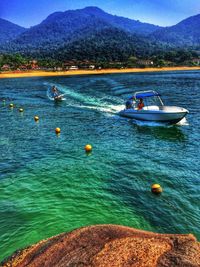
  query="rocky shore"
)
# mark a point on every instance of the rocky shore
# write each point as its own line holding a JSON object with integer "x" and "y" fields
{"x": 110, "y": 246}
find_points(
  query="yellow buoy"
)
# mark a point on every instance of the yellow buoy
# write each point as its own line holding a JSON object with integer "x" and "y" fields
{"x": 88, "y": 148}
{"x": 21, "y": 110}
{"x": 11, "y": 105}
{"x": 57, "y": 130}
{"x": 36, "y": 118}
{"x": 156, "y": 189}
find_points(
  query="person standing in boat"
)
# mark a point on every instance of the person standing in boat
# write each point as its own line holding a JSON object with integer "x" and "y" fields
{"x": 140, "y": 104}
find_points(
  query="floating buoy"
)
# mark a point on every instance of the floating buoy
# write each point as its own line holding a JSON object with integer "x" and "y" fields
{"x": 57, "y": 130}
{"x": 11, "y": 105}
{"x": 21, "y": 110}
{"x": 4, "y": 102}
{"x": 156, "y": 189}
{"x": 36, "y": 118}
{"x": 88, "y": 148}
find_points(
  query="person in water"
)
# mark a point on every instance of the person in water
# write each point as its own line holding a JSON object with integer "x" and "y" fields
{"x": 140, "y": 104}
{"x": 56, "y": 94}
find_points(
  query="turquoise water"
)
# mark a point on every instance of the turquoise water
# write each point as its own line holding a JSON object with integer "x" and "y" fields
{"x": 48, "y": 184}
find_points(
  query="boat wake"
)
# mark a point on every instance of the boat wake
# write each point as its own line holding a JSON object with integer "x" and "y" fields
{"x": 150, "y": 123}
{"x": 112, "y": 109}
{"x": 80, "y": 100}
{"x": 183, "y": 122}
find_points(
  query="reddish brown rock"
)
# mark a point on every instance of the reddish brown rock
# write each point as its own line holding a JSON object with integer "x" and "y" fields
{"x": 110, "y": 246}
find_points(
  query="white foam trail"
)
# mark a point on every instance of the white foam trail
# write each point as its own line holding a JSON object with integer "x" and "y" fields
{"x": 77, "y": 96}
{"x": 117, "y": 108}
{"x": 94, "y": 103}
{"x": 183, "y": 122}
{"x": 112, "y": 109}
{"x": 150, "y": 123}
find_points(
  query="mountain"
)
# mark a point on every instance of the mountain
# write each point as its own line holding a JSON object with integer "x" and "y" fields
{"x": 130, "y": 25}
{"x": 185, "y": 33}
{"x": 9, "y": 31}
{"x": 109, "y": 44}
{"x": 62, "y": 28}
{"x": 93, "y": 34}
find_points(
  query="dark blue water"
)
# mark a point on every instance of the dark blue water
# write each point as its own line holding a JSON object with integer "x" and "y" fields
{"x": 49, "y": 185}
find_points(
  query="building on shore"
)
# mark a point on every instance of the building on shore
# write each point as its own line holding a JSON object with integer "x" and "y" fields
{"x": 145, "y": 62}
{"x": 196, "y": 61}
{"x": 6, "y": 67}
{"x": 91, "y": 67}
{"x": 73, "y": 67}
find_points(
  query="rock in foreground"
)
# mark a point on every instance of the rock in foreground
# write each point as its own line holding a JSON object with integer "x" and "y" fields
{"x": 110, "y": 246}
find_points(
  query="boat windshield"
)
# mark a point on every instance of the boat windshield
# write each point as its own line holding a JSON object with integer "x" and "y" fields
{"x": 152, "y": 101}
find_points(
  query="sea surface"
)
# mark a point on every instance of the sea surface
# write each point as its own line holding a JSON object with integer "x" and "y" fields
{"x": 49, "y": 185}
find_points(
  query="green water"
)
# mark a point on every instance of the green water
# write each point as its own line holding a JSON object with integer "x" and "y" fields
{"x": 48, "y": 184}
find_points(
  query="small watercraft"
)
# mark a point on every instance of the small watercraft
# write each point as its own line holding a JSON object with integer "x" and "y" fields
{"x": 148, "y": 106}
{"x": 55, "y": 94}
{"x": 59, "y": 98}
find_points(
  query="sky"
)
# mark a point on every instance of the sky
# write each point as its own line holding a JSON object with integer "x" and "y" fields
{"x": 160, "y": 12}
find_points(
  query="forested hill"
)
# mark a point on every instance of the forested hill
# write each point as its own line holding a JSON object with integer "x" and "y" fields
{"x": 61, "y": 28}
{"x": 130, "y": 25}
{"x": 109, "y": 44}
{"x": 9, "y": 31}
{"x": 185, "y": 33}
{"x": 92, "y": 34}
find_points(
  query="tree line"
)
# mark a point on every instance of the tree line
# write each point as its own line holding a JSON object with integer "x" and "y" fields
{"x": 123, "y": 60}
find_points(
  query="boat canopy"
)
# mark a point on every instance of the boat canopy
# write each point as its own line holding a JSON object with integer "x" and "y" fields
{"x": 146, "y": 94}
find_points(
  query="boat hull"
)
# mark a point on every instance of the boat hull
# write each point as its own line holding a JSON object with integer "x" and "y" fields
{"x": 169, "y": 115}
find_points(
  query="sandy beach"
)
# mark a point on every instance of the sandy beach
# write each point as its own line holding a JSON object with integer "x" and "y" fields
{"x": 42, "y": 73}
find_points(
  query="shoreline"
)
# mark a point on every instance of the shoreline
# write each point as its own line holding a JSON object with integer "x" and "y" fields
{"x": 26, "y": 74}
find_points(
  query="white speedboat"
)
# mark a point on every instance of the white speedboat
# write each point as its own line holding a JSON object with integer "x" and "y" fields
{"x": 152, "y": 109}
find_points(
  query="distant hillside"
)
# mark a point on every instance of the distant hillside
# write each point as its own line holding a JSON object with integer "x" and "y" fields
{"x": 109, "y": 44}
{"x": 94, "y": 35}
{"x": 130, "y": 25}
{"x": 61, "y": 28}
{"x": 185, "y": 33}
{"x": 9, "y": 31}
